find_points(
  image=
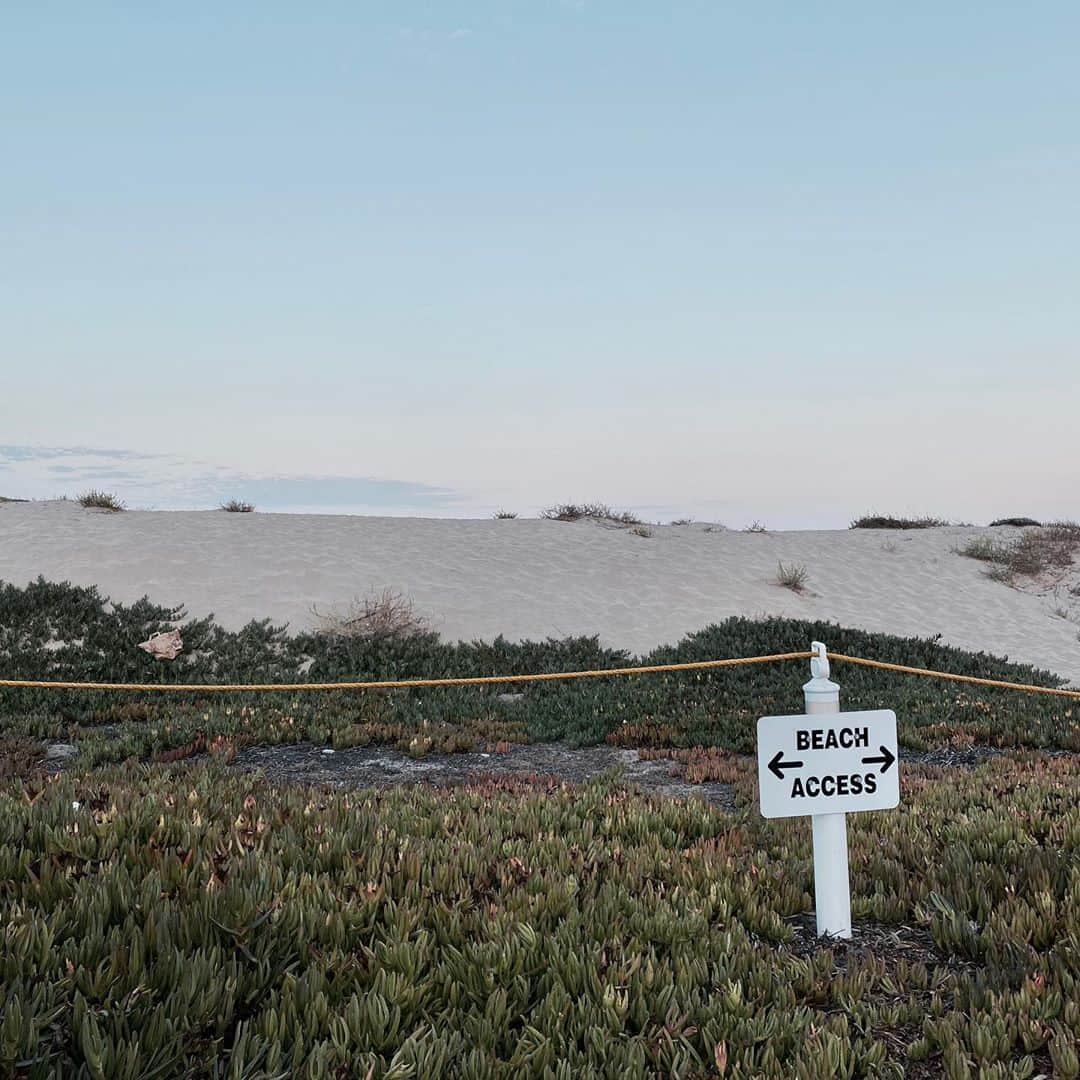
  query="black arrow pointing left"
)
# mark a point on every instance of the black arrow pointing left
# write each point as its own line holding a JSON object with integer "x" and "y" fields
{"x": 885, "y": 760}
{"x": 778, "y": 765}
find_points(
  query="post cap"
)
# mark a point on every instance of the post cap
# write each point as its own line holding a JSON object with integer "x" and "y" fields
{"x": 819, "y": 689}
{"x": 819, "y": 662}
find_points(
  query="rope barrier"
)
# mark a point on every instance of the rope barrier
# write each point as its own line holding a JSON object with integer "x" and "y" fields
{"x": 394, "y": 684}
{"x": 1030, "y": 688}
{"x": 549, "y": 676}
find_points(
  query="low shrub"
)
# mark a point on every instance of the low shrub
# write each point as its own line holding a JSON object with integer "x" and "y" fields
{"x": 388, "y": 614}
{"x": 235, "y": 506}
{"x": 1034, "y": 552}
{"x": 1062, "y": 530}
{"x": 1018, "y": 522}
{"x": 100, "y": 500}
{"x": 983, "y": 548}
{"x": 881, "y": 521}
{"x": 791, "y": 576}
{"x": 594, "y": 511}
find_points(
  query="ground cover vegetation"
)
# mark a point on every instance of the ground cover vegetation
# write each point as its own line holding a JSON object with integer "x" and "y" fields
{"x": 191, "y": 920}
{"x": 59, "y": 631}
{"x": 167, "y": 914}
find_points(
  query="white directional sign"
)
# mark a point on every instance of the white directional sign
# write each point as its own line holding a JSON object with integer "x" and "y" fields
{"x": 830, "y": 763}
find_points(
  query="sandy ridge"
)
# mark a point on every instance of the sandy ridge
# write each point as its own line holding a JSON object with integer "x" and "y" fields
{"x": 534, "y": 579}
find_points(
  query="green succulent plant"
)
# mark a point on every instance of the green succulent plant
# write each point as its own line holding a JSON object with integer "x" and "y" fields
{"x": 168, "y": 920}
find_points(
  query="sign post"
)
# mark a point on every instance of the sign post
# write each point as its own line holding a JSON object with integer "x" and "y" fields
{"x": 825, "y": 765}
{"x": 832, "y": 883}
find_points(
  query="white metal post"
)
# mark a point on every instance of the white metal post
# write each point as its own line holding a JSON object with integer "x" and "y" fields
{"x": 832, "y": 888}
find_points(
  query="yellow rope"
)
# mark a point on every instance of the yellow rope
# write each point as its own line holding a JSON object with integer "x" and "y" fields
{"x": 393, "y": 684}
{"x": 550, "y": 676}
{"x": 1030, "y": 688}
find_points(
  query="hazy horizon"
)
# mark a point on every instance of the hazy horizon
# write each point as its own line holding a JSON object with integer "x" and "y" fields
{"x": 160, "y": 482}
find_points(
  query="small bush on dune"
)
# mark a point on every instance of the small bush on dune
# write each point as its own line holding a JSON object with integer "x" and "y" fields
{"x": 1062, "y": 529}
{"x": 1018, "y": 522}
{"x": 505, "y": 515}
{"x": 1035, "y": 551}
{"x": 884, "y": 521}
{"x": 100, "y": 500}
{"x": 982, "y": 548}
{"x": 388, "y": 614}
{"x": 792, "y": 576}
{"x": 235, "y": 506}
{"x": 593, "y": 511}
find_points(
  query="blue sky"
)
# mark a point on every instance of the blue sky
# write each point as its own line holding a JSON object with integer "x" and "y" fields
{"x": 778, "y": 261}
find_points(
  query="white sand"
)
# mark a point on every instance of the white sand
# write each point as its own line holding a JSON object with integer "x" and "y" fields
{"x": 535, "y": 579}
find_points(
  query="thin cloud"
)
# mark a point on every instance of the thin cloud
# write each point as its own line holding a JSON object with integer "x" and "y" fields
{"x": 173, "y": 483}
{"x": 10, "y": 453}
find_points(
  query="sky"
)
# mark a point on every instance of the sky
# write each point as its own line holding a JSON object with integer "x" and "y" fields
{"x": 784, "y": 262}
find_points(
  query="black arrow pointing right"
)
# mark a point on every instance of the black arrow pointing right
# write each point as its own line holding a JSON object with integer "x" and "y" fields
{"x": 778, "y": 765}
{"x": 886, "y": 759}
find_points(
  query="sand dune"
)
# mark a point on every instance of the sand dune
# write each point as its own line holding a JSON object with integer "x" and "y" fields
{"x": 534, "y": 579}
